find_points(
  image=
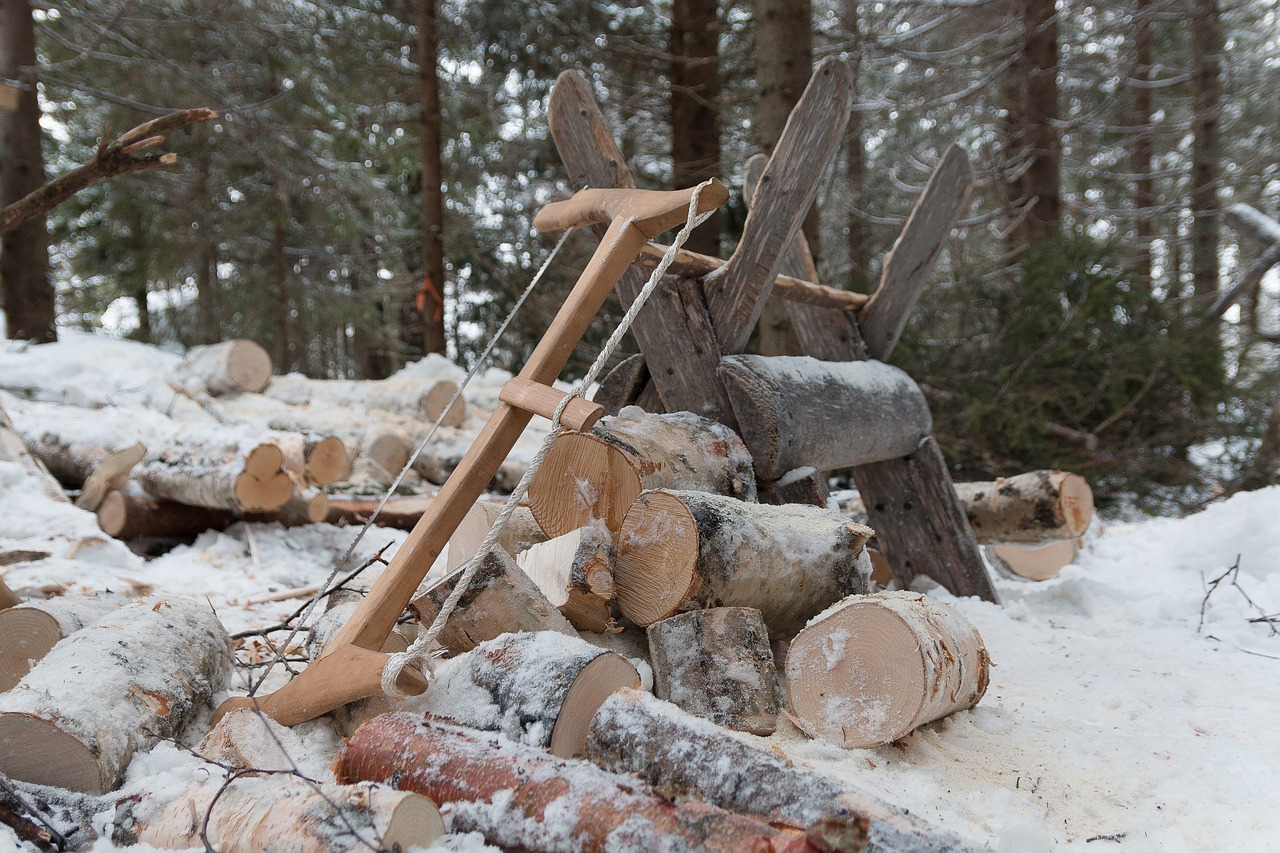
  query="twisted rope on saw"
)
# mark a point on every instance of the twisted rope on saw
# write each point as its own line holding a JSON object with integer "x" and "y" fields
{"x": 418, "y": 652}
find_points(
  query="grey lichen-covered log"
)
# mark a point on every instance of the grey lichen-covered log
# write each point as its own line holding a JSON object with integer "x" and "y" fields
{"x": 873, "y": 668}
{"x": 227, "y": 367}
{"x": 596, "y": 475}
{"x": 685, "y": 757}
{"x": 541, "y": 689}
{"x": 680, "y": 550}
{"x": 118, "y": 686}
{"x": 717, "y": 664}
{"x": 29, "y": 631}
{"x": 797, "y": 411}
{"x": 279, "y": 813}
{"x": 500, "y": 598}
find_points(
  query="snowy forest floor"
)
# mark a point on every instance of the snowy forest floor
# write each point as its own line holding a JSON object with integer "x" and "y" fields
{"x": 1114, "y": 716}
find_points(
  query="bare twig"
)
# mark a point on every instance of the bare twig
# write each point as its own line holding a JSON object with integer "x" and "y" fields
{"x": 1233, "y": 575}
{"x": 117, "y": 158}
{"x": 41, "y": 837}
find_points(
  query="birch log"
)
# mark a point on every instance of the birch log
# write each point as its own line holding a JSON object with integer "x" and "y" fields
{"x": 93, "y": 467}
{"x": 873, "y": 668}
{"x": 521, "y": 798}
{"x": 717, "y": 664}
{"x": 115, "y": 687}
{"x": 598, "y": 474}
{"x": 29, "y": 631}
{"x": 125, "y": 516}
{"x": 797, "y": 411}
{"x": 499, "y": 599}
{"x": 680, "y": 550}
{"x": 320, "y": 460}
{"x": 1031, "y": 507}
{"x": 413, "y": 396}
{"x": 683, "y": 756}
{"x": 280, "y": 813}
{"x": 575, "y": 573}
{"x": 252, "y": 482}
{"x": 539, "y": 689}
{"x": 226, "y": 368}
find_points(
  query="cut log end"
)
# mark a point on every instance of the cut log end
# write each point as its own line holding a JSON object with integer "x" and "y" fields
{"x": 248, "y": 365}
{"x": 597, "y": 682}
{"x": 437, "y": 398}
{"x": 328, "y": 461}
{"x": 36, "y": 750}
{"x": 586, "y": 479}
{"x": 657, "y": 552}
{"x": 26, "y": 635}
{"x": 1077, "y": 503}
{"x": 1035, "y": 562}
{"x": 264, "y": 485}
{"x": 415, "y": 821}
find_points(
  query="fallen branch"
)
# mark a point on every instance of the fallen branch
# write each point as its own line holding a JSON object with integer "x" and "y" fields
{"x": 115, "y": 158}
{"x": 1233, "y": 574}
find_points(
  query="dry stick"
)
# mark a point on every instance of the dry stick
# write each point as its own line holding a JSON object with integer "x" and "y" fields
{"x": 408, "y": 465}
{"x": 1234, "y": 574}
{"x": 418, "y": 651}
{"x": 54, "y": 835}
{"x": 116, "y": 158}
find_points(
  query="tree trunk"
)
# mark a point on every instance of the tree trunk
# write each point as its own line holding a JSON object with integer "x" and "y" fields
{"x": 690, "y": 550}
{"x": 112, "y": 689}
{"x": 29, "y": 631}
{"x": 499, "y": 599}
{"x": 229, "y": 367}
{"x": 1142, "y": 150}
{"x": 1205, "y": 345}
{"x": 858, "y": 241}
{"x": 547, "y": 804}
{"x": 575, "y": 573}
{"x": 208, "y": 319}
{"x": 873, "y": 669}
{"x": 695, "y": 106}
{"x": 797, "y": 412}
{"x": 431, "y": 302}
{"x": 29, "y": 301}
{"x": 597, "y": 475}
{"x": 280, "y": 812}
{"x": 684, "y": 757}
{"x": 1039, "y": 140}
{"x": 717, "y": 664}
{"x": 539, "y": 689}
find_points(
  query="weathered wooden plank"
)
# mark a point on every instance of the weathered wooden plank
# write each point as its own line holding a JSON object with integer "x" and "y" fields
{"x": 823, "y": 333}
{"x": 662, "y": 331}
{"x": 909, "y": 262}
{"x": 736, "y": 292}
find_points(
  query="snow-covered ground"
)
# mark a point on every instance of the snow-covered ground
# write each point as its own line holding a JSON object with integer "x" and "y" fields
{"x": 1114, "y": 717}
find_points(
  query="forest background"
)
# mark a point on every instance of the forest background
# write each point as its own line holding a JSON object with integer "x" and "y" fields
{"x": 366, "y": 192}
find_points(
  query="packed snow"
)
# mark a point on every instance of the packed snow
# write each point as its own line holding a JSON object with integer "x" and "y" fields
{"x": 1124, "y": 709}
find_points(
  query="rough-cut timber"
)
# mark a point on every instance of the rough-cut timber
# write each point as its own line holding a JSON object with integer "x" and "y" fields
{"x": 29, "y": 631}
{"x": 280, "y": 813}
{"x": 1033, "y": 562}
{"x": 688, "y": 550}
{"x": 799, "y": 486}
{"x": 683, "y": 756}
{"x": 575, "y": 573}
{"x": 871, "y": 669}
{"x": 597, "y": 475}
{"x": 717, "y": 664}
{"x": 14, "y": 449}
{"x": 797, "y": 411}
{"x": 227, "y": 368}
{"x": 412, "y": 396}
{"x": 520, "y": 533}
{"x": 252, "y": 482}
{"x": 538, "y": 689}
{"x": 1031, "y": 507}
{"x": 521, "y": 798}
{"x": 499, "y": 599}
{"x": 115, "y": 687}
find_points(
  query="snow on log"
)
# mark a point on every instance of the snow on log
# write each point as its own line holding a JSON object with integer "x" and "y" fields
{"x": 717, "y": 664}
{"x": 1029, "y": 507}
{"x": 226, "y": 368}
{"x": 280, "y": 813}
{"x": 29, "y": 631}
{"x": 538, "y": 689}
{"x": 598, "y": 474}
{"x": 252, "y": 482}
{"x": 1033, "y": 562}
{"x": 119, "y": 685}
{"x": 499, "y": 599}
{"x": 797, "y": 411}
{"x": 522, "y": 798}
{"x": 688, "y": 550}
{"x": 417, "y": 397}
{"x": 247, "y": 739}
{"x": 683, "y": 756}
{"x": 520, "y": 533}
{"x": 575, "y": 573}
{"x": 14, "y": 449}
{"x": 873, "y": 668}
